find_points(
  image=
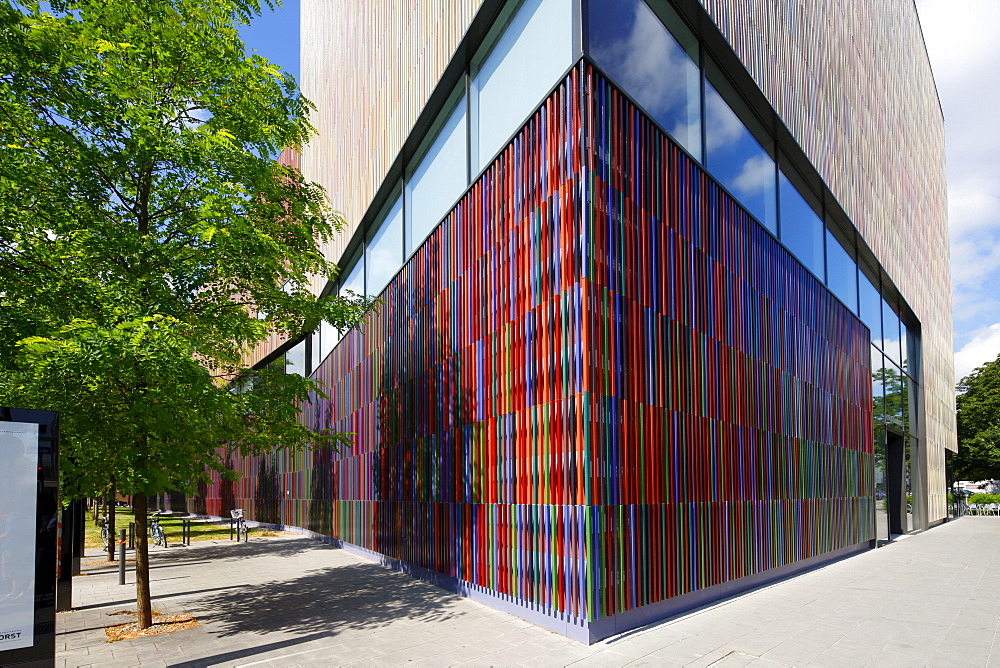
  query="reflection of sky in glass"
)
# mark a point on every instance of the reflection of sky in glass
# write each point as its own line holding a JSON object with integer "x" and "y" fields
{"x": 534, "y": 51}
{"x": 439, "y": 180}
{"x": 870, "y": 307}
{"x": 633, "y": 46}
{"x": 890, "y": 334}
{"x": 327, "y": 336}
{"x": 295, "y": 359}
{"x": 385, "y": 251}
{"x": 802, "y": 229}
{"x": 841, "y": 273}
{"x": 735, "y": 158}
{"x": 354, "y": 277}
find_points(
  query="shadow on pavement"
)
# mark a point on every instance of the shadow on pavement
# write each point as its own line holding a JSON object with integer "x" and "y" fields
{"x": 154, "y": 597}
{"x": 332, "y": 600}
{"x": 233, "y": 551}
{"x": 228, "y": 657}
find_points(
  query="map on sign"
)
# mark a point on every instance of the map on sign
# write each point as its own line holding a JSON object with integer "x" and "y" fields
{"x": 18, "y": 527}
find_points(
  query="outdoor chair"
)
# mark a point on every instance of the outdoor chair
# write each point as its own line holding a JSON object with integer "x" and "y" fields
{"x": 994, "y": 509}
{"x": 972, "y": 509}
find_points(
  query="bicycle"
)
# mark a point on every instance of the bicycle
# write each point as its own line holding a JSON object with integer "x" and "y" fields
{"x": 156, "y": 531}
{"x": 240, "y": 525}
{"x": 104, "y": 531}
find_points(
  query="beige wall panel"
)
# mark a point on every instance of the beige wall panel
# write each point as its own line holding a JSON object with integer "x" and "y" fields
{"x": 852, "y": 81}
{"x": 370, "y": 66}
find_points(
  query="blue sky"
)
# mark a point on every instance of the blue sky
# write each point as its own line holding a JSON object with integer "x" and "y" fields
{"x": 963, "y": 42}
{"x": 275, "y": 35}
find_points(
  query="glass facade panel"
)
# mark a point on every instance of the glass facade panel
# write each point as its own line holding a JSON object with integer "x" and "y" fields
{"x": 384, "y": 256}
{"x": 353, "y": 278}
{"x": 881, "y": 501}
{"x": 904, "y": 341}
{"x": 878, "y": 394}
{"x": 841, "y": 273}
{"x": 894, "y": 386}
{"x": 802, "y": 229}
{"x": 533, "y": 51}
{"x": 870, "y": 307}
{"x": 890, "y": 332}
{"x": 325, "y": 338}
{"x": 295, "y": 359}
{"x": 738, "y": 161}
{"x": 439, "y": 180}
{"x": 631, "y": 44}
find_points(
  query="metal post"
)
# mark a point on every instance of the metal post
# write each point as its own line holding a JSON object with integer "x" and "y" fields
{"x": 121, "y": 557}
{"x": 131, "y": 535}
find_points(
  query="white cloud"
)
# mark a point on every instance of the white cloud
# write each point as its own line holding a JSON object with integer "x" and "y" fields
{"x": 963, "y": 42}
{"x": 756, "y": 175}
{"x": 973, "y": 205}
{"x": 984, "y": 347}
{"x": 973, "y": 260}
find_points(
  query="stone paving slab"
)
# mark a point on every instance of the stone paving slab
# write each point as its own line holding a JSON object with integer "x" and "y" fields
{"x": 928, "y": 600}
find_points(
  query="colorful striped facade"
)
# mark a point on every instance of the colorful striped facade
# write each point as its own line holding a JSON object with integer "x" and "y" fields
{"x": 598, "y": 393}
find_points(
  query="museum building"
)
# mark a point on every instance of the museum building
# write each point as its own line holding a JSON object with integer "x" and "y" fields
{"x": 665, "y": 304}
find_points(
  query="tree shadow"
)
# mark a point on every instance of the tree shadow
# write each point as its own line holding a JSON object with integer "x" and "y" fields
{"x": 329, "y": 600}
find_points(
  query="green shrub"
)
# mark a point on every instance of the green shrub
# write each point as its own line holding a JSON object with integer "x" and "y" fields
{"x": 984, "y": 498}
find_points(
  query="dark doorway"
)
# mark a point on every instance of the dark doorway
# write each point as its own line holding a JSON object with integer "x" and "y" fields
{"x": 896, "y": 482}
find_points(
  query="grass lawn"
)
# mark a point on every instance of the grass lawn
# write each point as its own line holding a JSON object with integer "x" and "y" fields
{"x": 200, "y": 530}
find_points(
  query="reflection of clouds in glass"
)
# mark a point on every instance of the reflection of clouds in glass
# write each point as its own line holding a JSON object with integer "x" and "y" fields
{"x": 724, "y": 128}
{"x": 756, "y": 177}
{"x": 689, "y": 126}
{"x": 384, "y": 259}
{"x": 891, "y": 348}
{"x": 651, "y": 66}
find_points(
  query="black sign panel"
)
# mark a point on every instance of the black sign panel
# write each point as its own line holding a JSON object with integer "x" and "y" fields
{"x": 29, "y": 487}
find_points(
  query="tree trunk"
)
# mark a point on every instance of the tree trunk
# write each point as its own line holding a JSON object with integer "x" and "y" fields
{"x": 143, "y": 606}
{"x": 112, "y": 537}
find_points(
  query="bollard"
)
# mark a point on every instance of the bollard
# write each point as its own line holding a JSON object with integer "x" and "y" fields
{"x": 121, "y": 557}
{"x": 131, "y": 535}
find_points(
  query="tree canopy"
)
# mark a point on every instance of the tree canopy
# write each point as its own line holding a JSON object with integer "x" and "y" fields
{"x": 978, "y": 403}
{"x": 149, "y": 238}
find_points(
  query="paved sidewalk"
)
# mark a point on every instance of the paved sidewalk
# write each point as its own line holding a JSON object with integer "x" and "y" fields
{"x": 930, "y": 599}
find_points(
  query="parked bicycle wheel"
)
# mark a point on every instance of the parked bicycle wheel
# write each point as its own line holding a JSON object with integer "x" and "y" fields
{"x": 159, "y": 537}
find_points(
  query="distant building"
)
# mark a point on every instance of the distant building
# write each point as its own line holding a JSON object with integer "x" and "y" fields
{"x": 666, "y": 297}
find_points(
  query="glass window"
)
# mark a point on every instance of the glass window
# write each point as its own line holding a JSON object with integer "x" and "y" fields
{"x": 295, "y": 359}
{"x": 878, "y": 395}
{"x": 353, "y": 278}
{"x": 903, "y": 346}
{"x": 895, "y": 388}
{"x": 737, "y": 160}
{"x": 533, "y": 51}
{"x": 881, "y": 503}
{"x": 870, "y": 307}
{"x": 439, "y": 179}
{"x": 841, "y": 273}
{"x": 890, "y": 332}
{"x": 649, "y": 63}
{"x": 325, "y": 338}
{"x": 384, "y": 256}
{"x": 802, "y": 229}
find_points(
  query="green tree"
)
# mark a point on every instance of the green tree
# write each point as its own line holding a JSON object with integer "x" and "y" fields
{"x": 149, "y": 240}
{"x": 978, "y": 404}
